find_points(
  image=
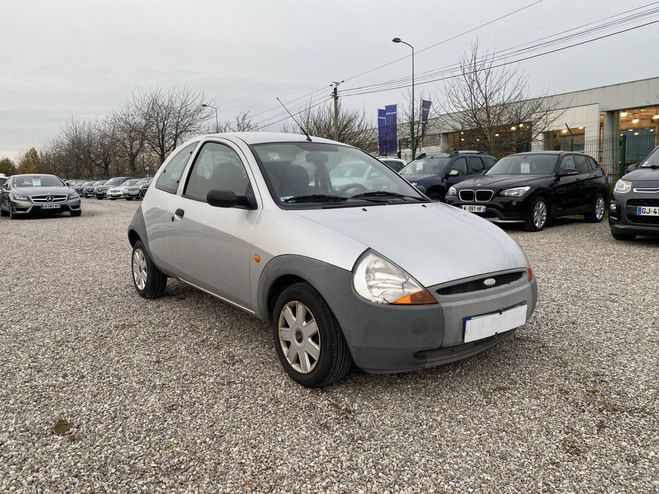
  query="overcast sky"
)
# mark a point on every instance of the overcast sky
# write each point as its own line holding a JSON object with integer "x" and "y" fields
{"x": 83, "y": 58}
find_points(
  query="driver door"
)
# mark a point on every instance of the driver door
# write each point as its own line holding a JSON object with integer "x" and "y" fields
{"x": 458, "y": 172}
{"x": 566, "y": 188}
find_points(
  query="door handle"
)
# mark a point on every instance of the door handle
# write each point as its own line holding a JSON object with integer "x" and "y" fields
{"x": 178, "y": 214}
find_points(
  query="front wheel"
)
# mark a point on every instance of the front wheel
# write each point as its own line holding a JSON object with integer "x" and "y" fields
{"x": 149, "y": 281}
{"x": 308, "y": 339}
{"x": 439, "y": 196}
{"x": 597, "y": 213}
{"x": 538, "y": 215}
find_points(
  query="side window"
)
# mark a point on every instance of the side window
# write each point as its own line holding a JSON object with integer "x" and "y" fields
{"x": 568, "y": 162}
{"x": 217, "y": 167}
{"x": 488, "y": 161}
{"x": 581, "y": 163}
{"x": 171, "y": 175}
{"x": 461, "y": 165}
{"x": 475, "y": 165}
{"x": 592, "y": 164}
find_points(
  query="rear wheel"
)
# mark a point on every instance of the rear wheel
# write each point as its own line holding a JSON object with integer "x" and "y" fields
{"x": 538, "y": 214}
{"x": 597, "y": 213}
{"x": 308, "y": 339}
{"x": 149, "y": 281}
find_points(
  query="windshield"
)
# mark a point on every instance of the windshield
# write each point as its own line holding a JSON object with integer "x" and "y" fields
{"x": 320, "y": 174}
{"x": 143, "y": 181}
{"x": 426, "y": 166}
{"x": 652, "y": 161}
{"x": 525, "y": 164}
{"x": 116, "y": 181}
{"x": 130, "y": 182}
{"x": 37, "y": 181}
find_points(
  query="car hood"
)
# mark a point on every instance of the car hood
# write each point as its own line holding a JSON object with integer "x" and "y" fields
{"x": 498, "y": 182}
{"x": 37, "y": 191}
{"x": 433, "y": 242}
{"x": 643, "y": 174}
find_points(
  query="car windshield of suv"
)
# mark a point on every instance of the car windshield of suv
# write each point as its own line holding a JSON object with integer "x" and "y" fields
{"x": 525, "y": 164}
{"x": 652, "y": 161}
{"x": 426, "y": 166}
{"x": 38, "y": 181}
{"x": 329, "y": 175}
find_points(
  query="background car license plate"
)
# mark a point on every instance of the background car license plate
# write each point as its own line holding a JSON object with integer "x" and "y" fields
{"x": 473, "y": 208}
{"x": 50, "y": 206}
{"x": 647, "y": 210}
{"x": 479, "y": 327}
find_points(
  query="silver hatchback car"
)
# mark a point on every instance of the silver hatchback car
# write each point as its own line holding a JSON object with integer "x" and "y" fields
{"x": 368, "y": 270}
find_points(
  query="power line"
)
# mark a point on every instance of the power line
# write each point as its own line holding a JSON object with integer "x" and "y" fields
{"x": 513, "y": 61}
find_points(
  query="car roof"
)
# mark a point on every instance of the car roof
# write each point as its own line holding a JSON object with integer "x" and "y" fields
{"x": 265, "y": 137}
{"x": 556, "y": 153}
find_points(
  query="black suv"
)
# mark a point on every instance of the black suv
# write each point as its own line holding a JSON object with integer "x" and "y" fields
{"x": 634, "y": 208}
{"x": 532, "y": 188}
{"x": 438, "y": 172}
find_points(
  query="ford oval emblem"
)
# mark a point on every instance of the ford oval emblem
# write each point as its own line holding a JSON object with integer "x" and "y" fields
{"x": 489, "y": 282}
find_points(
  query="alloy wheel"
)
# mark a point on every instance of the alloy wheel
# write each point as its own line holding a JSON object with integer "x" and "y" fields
{"x": 599, "y": 208}
{"x": 540, "y": 214}
{"x": 139, "y": 269}
{"x": 299, "y": 336}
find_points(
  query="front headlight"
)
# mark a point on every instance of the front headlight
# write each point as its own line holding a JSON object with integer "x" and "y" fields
{"x": 19, "y": 197}
{"x": 74, "y": 195}
{"x": 515, "y": 191}
{"x": 452, "y": 192}
{"x": 623, "y": 186}
{"x": 381, "y": 281}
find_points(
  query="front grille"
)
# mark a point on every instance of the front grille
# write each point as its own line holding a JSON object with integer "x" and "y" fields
{"x": 643, "y": 202}
{"x": 49, "y": 198}
{"x": 466, "y": 195}
{"x": 647, "y": 190}
{"x": 476, "y": 285}
{"x": 484, "y": 195}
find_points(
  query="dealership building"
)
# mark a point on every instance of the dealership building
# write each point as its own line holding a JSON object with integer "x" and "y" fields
{"x": 616, "y": 124}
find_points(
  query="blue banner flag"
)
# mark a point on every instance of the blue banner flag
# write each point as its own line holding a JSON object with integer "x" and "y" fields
{"x": 382, "y": 135}
{"x": 425, "y": 111}
{"x": 391, "y": 130}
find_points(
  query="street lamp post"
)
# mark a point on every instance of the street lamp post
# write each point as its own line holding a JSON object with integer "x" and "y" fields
{"x": 217, "y": 124}
{"x": 413, "y": 141}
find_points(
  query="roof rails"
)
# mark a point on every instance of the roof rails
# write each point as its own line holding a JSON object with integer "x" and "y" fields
{"x": 466, "y": 151}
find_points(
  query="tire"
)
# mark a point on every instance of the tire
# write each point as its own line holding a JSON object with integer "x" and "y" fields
{"x": 149, "y": 281}
{"x": 3, "y": 212}
{"x": 75, "y": 213}
{"x": 437, "y": 195}
{"x": 327, "y": 342}
{"x": 623, "y": 236}
{"x": 536, "y": 220}
{"x": 597, "y": 213}
{"x": 11, "y": 214}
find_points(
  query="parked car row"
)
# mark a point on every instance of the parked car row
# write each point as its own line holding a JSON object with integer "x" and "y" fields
{"x": 128, "y": 188}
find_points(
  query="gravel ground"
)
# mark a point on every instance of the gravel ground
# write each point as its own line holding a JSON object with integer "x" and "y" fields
{"x": 102, "y": 390}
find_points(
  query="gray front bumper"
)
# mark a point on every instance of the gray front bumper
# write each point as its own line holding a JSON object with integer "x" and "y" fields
{"x": 29, "y": 207}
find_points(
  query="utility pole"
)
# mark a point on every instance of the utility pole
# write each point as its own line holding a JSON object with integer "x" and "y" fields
{"x": 335, "y": 97}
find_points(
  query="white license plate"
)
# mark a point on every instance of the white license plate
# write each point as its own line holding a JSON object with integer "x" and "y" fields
{"x": 647, "y": 210}
{"x": 479, "y": 327}
{"x": 473, "y": 208}
{"x": 50, "y": 206}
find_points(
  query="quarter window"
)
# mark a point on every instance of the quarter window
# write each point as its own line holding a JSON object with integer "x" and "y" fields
{"x": 171, "y": 174}
{"x": 217, "y": 167}
{"x": 461, "y": 165}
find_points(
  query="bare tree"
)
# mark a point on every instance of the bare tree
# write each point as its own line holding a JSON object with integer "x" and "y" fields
{"x": 171, "y": 116}
{"x": 319, "y": 121}
{"x": 241, "y": 123}
{"x": 405, "y": 118}
{"x": 127, "y": 130}
{"x": 486, "y": 101}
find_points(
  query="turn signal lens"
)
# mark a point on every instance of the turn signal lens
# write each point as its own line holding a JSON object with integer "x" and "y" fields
{"x": 422, "y": 297}
{"x": 529, "y": 273}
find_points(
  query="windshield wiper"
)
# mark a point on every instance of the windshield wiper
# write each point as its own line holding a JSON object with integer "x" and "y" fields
{"x": 385, "y": 194}
{"x": 315, "y": 198}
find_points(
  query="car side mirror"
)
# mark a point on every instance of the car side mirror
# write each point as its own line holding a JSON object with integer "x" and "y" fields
{"x": 567, "y": 171}
{"x": 632, "y": 167}
{"x": 453, "y": 173}
{"x": 229, "y": 199}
